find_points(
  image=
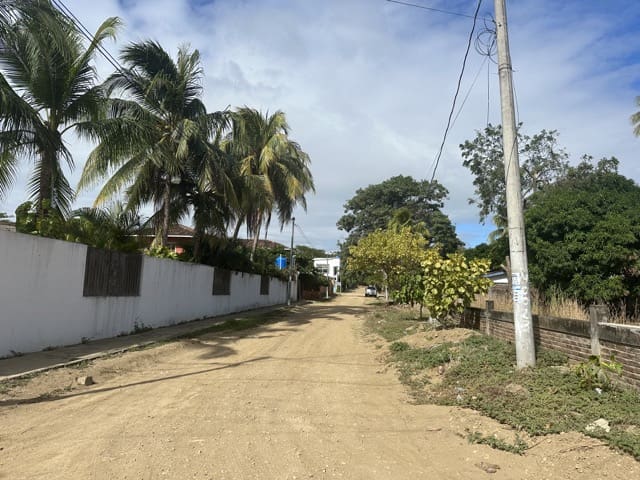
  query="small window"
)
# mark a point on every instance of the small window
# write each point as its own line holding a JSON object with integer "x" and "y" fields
{"x": 221, "y": 281}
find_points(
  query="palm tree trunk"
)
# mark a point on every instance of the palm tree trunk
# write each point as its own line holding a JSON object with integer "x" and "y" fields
{"x": 162, "y": 231}
{"x": 236, "y": 231}
{"x": 45, "y": 202}
{"x": 255, "y": 239}
{"x": 197, "y": 240}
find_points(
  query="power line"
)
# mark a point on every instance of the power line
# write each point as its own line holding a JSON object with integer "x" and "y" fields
{"x": 84, "y": 31}
{"x": 447, "y": 12}
{"x": 455, "y": 97}
{"x": 311, "y": 244}
{"x": 475, "y": 79}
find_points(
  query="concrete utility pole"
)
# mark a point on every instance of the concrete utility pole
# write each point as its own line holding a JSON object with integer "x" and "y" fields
{"x": 293, "y": 225}
{"x": 525, "y": 347}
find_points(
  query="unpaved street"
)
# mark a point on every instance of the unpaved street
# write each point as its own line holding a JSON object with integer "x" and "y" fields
{"x": 306, "y": 397}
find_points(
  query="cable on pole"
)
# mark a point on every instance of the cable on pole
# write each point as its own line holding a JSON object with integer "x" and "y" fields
{"x": 455, "y": 97}
{"x": 438, "y": 10}
{"x": 84, "y": 31}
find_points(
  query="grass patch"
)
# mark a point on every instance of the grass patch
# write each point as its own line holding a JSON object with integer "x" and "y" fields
{"x": 481, "y": 374}
{"x": 518, "y": 446}
{"x": 391, "y": 323}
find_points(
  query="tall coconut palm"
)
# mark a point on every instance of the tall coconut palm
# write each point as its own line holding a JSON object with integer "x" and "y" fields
{"x": 635, "y": 119}
{"x": 272, "y": 171}
{"x": 206, "y": 189}
{"x": 48, "y": 87}
{"x": 151, "y": 131}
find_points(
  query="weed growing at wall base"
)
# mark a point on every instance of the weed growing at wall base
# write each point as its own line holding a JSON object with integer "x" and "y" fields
{"x": 479, "y": 373}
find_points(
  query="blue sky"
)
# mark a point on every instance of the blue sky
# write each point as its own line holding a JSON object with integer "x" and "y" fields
{"x": 367, "y": 84}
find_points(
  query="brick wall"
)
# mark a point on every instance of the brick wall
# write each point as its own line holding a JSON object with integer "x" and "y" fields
{"x": 572, "y": 337}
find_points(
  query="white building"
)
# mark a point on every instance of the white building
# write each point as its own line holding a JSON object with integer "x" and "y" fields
{"x": 329, "y": 267}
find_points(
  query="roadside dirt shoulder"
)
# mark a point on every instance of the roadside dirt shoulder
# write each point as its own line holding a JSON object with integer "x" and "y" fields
{"x": 304, "y": 397}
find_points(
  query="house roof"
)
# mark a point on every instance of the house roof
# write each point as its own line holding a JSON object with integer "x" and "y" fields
{"x": 179, "y": 231}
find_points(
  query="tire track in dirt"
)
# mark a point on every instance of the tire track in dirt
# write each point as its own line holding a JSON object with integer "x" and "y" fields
{"x": 298, "y": 398}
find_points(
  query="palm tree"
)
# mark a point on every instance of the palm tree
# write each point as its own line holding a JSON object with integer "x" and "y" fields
{"x": 272, "y": 172}
{"x": 635, "y": 119}
{"x": 47, "y": 88}
{"x": 148, "y": 138}
{"x": 113, "y": 227}
{"x": 207, "y": 189}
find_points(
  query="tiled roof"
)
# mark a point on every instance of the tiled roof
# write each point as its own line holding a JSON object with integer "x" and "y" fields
{"x": 174, "y": 231}
{"x": 181, "y": 231}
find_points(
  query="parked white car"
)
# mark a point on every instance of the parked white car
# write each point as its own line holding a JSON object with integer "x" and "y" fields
{"x": 371, "y": 291}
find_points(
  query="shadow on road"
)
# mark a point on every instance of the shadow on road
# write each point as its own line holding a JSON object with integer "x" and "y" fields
{"x": 54, "y": 397}
{"x": 214, "y": 341}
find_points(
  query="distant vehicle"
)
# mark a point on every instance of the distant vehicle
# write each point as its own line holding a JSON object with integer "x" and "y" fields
{"x": 371, "y": 291}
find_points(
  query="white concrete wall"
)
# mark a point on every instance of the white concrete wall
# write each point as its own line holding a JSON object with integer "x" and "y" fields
{"x": 41, "y": 302}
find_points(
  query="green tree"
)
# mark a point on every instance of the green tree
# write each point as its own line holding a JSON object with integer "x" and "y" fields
{"x": 542, "y": 162}
{"x": 113, "y": 227}
{"x": 635, "y": 119}
{"x": 47, "y": 88}
{"x": 402, "y": 197}
{"x": 495, "y": 252}
{"x": 583, "y": 235}
{"x": 207, "y": 188}
{"x": 147, "y": 141}
{"x": 451, "y": 283}
{"x": 386, "y": 257}
{"x": 272, "y": 172}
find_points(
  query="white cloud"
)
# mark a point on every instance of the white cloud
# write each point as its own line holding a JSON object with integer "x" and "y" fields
{"x": 367, "y": 84}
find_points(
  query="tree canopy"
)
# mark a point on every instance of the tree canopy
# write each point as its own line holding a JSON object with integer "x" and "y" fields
{"x": 542, "y": 162}
{"x": 387, "y": 256}
{"x": 583, "y": 235}
{"x": 156, "y": 143}
{"x": 48, "y": 86}
{"x": 419, "y": 202}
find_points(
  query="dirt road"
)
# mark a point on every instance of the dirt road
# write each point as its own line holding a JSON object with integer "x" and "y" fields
{"x": 303, "y": 398}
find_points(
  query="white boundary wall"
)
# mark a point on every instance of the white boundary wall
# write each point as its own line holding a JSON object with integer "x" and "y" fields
{"x": 41, "y": 302}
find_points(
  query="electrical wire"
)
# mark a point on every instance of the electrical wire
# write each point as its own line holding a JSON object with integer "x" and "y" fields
{"x": 475, "y": 79}
{"x": 84, "y": 31}
{"x": 455, "y": 97}
{"x": 309, "y": 242}
{"x": 447, "y": 12}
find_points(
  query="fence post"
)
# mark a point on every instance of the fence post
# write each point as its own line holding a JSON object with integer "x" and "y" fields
{"x": 488, "y": 308}
{"x": 597, "y": 314}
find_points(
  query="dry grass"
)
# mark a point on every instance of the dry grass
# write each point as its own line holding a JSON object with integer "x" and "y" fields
{"x": 555, "y": 307}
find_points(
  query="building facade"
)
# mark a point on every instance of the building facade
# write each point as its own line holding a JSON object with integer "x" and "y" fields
{"x": 330, "y": 268}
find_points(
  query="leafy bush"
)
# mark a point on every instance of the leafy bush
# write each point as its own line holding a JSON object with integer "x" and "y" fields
{"x": 451, "y": 284}
{"x": 594, "y": 372}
